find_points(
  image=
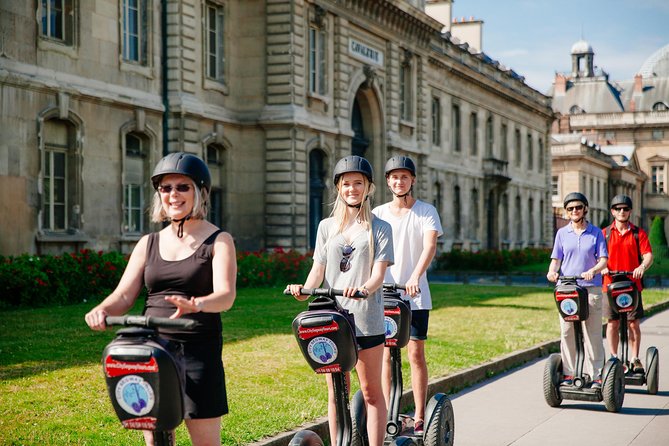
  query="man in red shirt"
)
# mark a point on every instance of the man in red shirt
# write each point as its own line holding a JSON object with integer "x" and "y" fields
{"x": 629, "y": 250}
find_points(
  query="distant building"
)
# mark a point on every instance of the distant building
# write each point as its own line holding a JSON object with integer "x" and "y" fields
{"x": 612, "y": 137}
{"x": 271, "y": 93}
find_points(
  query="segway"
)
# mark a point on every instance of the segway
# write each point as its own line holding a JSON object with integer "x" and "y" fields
{"x": 624, "y": 298}
{"x": 326, "y": 336}
{"x": 144, "y": 377}
{"x": 572, "y": 303}
{"x": 439, "y": 419}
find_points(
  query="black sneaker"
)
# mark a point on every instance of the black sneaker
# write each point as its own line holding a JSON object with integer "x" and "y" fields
{"x": 637, "y": 367}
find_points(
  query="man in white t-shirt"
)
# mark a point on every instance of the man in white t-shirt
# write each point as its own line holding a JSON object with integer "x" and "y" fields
{"x": 416, "y": 226}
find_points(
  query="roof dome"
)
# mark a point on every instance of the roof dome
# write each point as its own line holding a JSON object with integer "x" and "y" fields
{"x": 657, "y": 64}
{"x": 581, "y": 47}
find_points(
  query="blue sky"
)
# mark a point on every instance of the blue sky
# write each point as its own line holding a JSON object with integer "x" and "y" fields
{"x": 534, "y": 37}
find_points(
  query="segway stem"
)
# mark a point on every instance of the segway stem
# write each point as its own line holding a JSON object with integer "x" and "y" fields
{"x": 392, "y": 426}
{"x": 580, "y": 350}
{"x": 344, "y": 426}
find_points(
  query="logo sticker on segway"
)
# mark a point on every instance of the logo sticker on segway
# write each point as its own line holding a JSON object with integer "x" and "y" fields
{"x": 135, "y": 395}
{"x": 568, "y": 307}
{"x": 391, "y": 327}
{"x": 624, "y": 300}
{"x": 322, "y": 350}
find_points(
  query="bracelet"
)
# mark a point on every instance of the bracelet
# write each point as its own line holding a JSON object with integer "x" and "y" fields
{"x": 199, "y": 304}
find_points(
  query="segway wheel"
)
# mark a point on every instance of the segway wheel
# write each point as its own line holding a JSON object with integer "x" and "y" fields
{"x": 441, "y": 425}
{"x": 652, "y": 370}
{"x": 613, "y": 392}
{"x": 359, "y": 421}
{"x": 552, "y": 372}
{"x": 306, "y": 438}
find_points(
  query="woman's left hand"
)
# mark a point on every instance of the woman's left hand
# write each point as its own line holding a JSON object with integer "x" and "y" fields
{"x": 184, "y": 305}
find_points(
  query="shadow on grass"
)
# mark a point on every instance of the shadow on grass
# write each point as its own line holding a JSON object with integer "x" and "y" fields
{"x": 34, "y": 341}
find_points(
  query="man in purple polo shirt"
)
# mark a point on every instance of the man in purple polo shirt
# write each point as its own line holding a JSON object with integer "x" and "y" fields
{"x": 580, "y": 250}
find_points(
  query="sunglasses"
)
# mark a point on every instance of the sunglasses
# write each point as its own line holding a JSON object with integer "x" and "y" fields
{"x": 575, "y": 208}
{"x": 345, "y": 263}
{"x": 624, "y": 209}
{"x": 179, "y": 188}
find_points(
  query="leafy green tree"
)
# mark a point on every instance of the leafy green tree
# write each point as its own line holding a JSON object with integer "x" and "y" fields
{"x": 658, "y": 240}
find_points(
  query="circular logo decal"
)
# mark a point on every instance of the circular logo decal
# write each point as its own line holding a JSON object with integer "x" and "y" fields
{"x": 391, "y": 327}
{"x": 135, "y": 395}
{"x": 569, "y": 307}
{"x": 322, "y": 350}
{"x": 624, "y": 300}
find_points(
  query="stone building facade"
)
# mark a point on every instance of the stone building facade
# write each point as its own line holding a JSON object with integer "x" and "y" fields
{"x": 271, "y": 93}
{"x": 624, "y": 125}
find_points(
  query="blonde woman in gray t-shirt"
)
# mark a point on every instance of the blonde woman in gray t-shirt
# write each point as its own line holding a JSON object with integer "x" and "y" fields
{"x": 353, "y": 250}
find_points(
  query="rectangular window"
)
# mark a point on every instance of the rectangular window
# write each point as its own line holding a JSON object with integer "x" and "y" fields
{"x": 456, "y": 128}
{"x": 405, "y": 92}
{"x": 555, "y": 186}
{"x": 55, "y": 188}
{"x": 658, "y": 135}
{"x": 530, "y": 152}
{"x": 132, "y": 210}
{"x": 657, "y": 184}
{"x": 519, "y": 149}
{"x": 489, "y": 138}
{"x": 504, "y": 143}
{"x": 473, "y": 133}
{"x": 541, "y": 155}
{"x": 215, "y": 42}
{"x": 57, "y": 20}
{"x": 436, "y": 121}
{"x": 135, "y": 31}
{"x": 317, "y": 61}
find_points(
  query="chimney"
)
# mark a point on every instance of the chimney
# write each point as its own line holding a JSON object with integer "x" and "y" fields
{"x": 638, "y": 84}
{"x": 560, "y": 85}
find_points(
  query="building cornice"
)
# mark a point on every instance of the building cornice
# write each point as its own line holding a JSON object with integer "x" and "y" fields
{"x": 27, "y": 76}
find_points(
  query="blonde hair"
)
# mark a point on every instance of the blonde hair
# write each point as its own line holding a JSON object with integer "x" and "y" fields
{"x": 200, "y": 205}
{"x": 364, "y": 215}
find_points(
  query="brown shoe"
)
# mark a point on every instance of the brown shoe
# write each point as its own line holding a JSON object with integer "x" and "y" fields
{"x": 637, "y": 367}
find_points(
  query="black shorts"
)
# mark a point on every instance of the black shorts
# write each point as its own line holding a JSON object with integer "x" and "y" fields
{"x": 365, "y": 342}
{"x": 419, "y": 323}
{"x": 205, "y": 380}
{"x": 631, "y": 316}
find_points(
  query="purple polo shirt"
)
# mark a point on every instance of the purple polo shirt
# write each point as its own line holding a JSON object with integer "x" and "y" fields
{"x": 579, "y": 253}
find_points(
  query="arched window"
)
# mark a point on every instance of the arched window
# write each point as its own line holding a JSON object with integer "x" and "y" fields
{"x": 505, "y": 217}
{"x": 457, "y": 213}
{"x": 660, "y": 106}
{"x": 215, "y": 158}
{"x": 530, "y": 219}
{"x": 135, "y": 176}
{"x": 518, "y": 221}
{"x": 476, "y": 218}
{"x": 489, "y": 137}
{"x": 316, "y": 192}
{"x": 61, "y": 175}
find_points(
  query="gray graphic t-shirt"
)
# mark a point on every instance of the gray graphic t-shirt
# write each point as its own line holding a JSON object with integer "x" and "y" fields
{"x": 330, "y": 250}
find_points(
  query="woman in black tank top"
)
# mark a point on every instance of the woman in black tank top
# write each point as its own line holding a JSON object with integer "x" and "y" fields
{"x": 190, "y": 271}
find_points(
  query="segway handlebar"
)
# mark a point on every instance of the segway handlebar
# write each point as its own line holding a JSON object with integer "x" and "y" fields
{"x": 620, "y": 273}
{"x": 326, "y": 292}
{"x": 391, "y": 286}
{"x": 150, "y": 322}
{"x": 569, "y": 278}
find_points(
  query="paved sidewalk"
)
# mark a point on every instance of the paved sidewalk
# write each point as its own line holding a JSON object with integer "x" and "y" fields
{"x": 510, "y": 409}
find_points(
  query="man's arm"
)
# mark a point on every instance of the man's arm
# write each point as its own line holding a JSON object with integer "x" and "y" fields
{"x": 429, "y": 250}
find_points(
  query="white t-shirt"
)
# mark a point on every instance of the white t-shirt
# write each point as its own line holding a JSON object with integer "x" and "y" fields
{"x": 408, "y": 232}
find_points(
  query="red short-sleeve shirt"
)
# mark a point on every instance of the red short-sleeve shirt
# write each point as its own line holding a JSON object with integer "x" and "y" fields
{"x": 623, "y": 255}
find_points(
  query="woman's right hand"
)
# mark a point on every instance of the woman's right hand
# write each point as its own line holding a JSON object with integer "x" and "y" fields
{"x": 552, "y": 276}
{"x": 96, "y": 319}
{"x": 295, "y": 290}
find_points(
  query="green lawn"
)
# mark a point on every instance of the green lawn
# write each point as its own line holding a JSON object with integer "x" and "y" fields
{"x": 52, "y": 389}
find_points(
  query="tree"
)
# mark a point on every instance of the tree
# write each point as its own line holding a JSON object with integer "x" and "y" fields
{"x": 658, "y": 239}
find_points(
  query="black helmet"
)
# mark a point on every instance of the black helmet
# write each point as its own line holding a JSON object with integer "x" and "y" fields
{"x": 575, "y": 196}
{"x": 353, "y": 163}
{"x": 400, "y": 162}
{"x": 183, "y": 164}
{"x": 621, "y": 199}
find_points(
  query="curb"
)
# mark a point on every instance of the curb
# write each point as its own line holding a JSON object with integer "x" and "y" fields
{"x": 453, "y": 383}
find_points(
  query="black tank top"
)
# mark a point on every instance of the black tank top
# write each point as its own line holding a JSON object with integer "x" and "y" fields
{"x": 191, "y": 276}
